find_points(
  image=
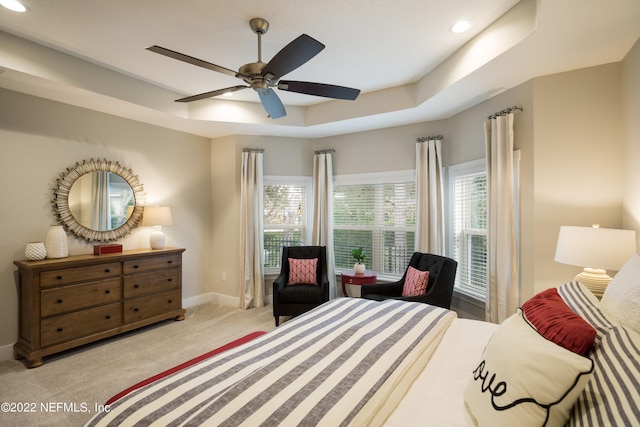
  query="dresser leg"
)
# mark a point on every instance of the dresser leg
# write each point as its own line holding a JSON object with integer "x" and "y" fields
{"x": 34, "y": 363}
{"x": 180, "y": 317}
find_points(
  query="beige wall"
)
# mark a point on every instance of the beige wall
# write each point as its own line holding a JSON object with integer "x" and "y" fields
{"x": 578, "y": 158}
{"x": 631, "y": 140}
{"x": 39, "y": 139}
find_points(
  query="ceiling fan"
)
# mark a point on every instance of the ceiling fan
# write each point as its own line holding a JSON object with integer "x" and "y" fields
{"x": 263, "y": 77}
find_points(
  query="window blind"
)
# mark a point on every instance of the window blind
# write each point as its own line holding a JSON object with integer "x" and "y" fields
{"x": 285, "y": 219}
{"x": 378, "y": 215}
{"x": 469, "y": 230}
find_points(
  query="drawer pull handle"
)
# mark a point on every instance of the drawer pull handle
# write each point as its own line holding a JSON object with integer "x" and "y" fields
{"x": 106, "y": 270}
{"x": 59, "y": 277}
{"x": 136, "y": 286}
{"x": 136, "y": 309}
{"x": 170, "y": 279}
{"x": 108, "y": 291}
{"x": 169, "y": 262}
{"x": 59, "y": 301}
{"x": 59, "y": 329}
{"x": 136, "y": 266}
{"x": 107, "y": 317}
{"x": 170, "y": 301}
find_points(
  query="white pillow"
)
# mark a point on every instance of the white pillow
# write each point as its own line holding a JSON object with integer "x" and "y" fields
{"x": 621, "y": 299}
{"x": 524, "y": 380}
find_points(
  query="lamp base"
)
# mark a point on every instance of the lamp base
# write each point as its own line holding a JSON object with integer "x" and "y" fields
{"x": 156, "y": 239}
{"x": 595, "y": 279}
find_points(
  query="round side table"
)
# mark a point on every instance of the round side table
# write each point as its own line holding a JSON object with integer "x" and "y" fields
{"x": 350, "y": 277}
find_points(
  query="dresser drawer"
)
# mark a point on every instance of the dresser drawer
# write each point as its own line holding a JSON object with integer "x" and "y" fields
{"x": 76, "y": 274}
{"x": 151, "y": 283}
{"x": 76, "y": 297}
{"x": 58, "y": 329}
{"x": 148, "y": 264}
{"x": 152, "y": 305}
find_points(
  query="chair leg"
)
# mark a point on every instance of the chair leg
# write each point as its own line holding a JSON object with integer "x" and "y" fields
{"x": 277, "y": 320}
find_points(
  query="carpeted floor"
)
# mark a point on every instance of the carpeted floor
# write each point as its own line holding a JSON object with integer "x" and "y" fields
{"x": 68, "y": 388}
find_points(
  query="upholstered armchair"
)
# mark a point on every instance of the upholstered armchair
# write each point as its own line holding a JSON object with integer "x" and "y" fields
{"x": 300, "y": 287}
{"x": 439, "y": 283}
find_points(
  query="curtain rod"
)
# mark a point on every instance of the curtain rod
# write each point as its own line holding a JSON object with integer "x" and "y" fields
{"x": 504, "y": 112}
{"x": 325, "y": 151}
{"x": 253, "y": 150}
{"x": 427, "y": 138}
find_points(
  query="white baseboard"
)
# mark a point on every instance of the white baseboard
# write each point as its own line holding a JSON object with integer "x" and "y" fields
{"x": 225, "y": 300}
{"x": 197, "y": 300}
{"x": 221, "y": 299}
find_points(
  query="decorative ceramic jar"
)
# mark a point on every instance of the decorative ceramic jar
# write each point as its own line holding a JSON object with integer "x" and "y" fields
{"x": 56, "y": 242}
{"x": 359, "y": 267}
{"x": 35, "y": 251}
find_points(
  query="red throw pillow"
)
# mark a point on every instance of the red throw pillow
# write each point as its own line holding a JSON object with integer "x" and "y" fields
{"x": 554, "y": 320}
{"x": 415, "y": 284}
{"x": 302, "y": 271}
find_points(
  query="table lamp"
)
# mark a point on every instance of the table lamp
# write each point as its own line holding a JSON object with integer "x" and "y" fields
{"x": 156, "y": 216}
{"x": 596, "y": 250}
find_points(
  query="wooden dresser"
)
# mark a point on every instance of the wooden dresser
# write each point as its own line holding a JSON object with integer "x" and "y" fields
{"x": 68, "y": 302}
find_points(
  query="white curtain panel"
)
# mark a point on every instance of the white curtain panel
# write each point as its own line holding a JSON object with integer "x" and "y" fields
{"x": 502, "y": 225}
{"x": 429, "y": 194}
{"x": 322, "y": 230}
{"x": 252, "y": 292}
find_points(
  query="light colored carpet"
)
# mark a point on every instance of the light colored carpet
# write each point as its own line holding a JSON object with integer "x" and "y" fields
{"x": 66, "y": 389}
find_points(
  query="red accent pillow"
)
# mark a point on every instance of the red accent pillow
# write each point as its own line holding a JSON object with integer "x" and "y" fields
{"x": 554, "y": 320}
{"x": 415, "y": 284}
{"x": 302, "y": 271}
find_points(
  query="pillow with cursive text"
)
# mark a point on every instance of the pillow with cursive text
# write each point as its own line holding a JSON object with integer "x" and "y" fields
{"x": 525, "y": 380}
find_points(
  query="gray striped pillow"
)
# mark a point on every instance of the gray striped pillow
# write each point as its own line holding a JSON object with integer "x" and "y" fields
{"x": 611, "y": 396}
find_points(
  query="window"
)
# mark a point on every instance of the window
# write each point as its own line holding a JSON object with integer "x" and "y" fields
{"x": 377, "y": 212}
{"x": 286, "y": 213}
{"x": 468, "y": 226}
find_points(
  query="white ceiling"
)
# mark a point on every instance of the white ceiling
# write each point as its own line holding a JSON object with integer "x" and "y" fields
{"x": 400, "y": 53}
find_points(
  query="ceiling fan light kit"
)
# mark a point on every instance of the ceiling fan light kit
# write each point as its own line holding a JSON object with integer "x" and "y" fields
{"x": 262, "y": 77}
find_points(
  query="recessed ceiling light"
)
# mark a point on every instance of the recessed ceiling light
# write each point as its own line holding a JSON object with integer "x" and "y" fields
{"x": 460, "y": 27}
{"x": 14, "y": 5}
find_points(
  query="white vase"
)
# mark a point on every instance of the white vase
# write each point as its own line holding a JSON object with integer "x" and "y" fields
{"x": 35, "y": 251}
{"x": 56, "y": 243}
{"x": 359, "y": 267}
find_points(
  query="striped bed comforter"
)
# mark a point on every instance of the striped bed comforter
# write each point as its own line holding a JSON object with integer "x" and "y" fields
{"x": 347, "y": 362}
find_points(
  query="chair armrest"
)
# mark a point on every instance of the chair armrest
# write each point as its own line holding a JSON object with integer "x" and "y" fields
{"x": 279, "y": 283}
{"x": 324, "y": 283}
{"x": 390, "y": 289}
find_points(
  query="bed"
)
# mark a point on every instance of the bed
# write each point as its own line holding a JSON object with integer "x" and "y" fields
{"x": 565, "y": 358}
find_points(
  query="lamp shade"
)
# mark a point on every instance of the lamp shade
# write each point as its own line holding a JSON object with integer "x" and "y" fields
{"x": 157, "y": 215}
{"x": 602, "y": 248}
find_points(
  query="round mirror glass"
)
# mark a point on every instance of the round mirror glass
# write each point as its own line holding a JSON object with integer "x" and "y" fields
{"x": 101, "y": 200}
{"x": 98, "y": 200}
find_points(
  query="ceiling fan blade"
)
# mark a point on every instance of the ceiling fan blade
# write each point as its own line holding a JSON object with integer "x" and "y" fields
{"x": 194, "y": 61}
{"x": 292, "y": 56}
{"x": 211, "y": 94}
{"x": 319, "y": 89}
{"x": 272, "y": 103}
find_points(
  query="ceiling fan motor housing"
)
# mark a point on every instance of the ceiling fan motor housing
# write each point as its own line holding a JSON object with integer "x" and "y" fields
{"x": 254, "y": 71}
